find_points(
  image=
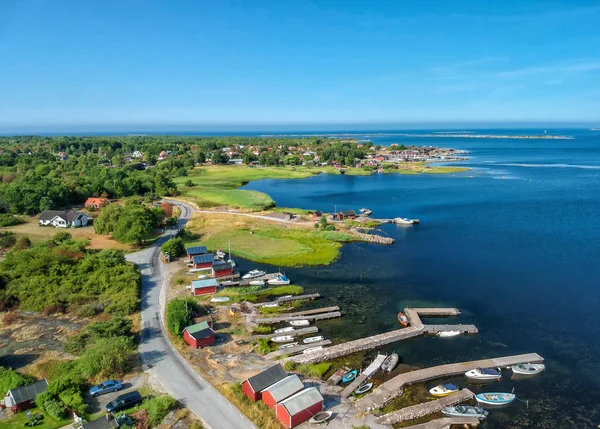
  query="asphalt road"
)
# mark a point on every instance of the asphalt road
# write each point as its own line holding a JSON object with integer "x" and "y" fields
{"x": 162, "y": 360}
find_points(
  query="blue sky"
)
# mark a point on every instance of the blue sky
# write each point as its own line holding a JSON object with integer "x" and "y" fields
{"x": 79, "y": 64}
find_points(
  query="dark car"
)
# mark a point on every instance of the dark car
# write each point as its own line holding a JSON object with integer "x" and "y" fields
{"x": 124, "y": 401}
{"x": 105, "y": 387}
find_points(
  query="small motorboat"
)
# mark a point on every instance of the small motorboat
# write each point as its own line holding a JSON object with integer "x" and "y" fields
{"x": 390, "y": 362}
{"x": 203, "y": 276}
{"x": 257, "y": 283}
{"x": 253, "y": 274}
{"x": 312, "y": 349}
{"x": 280, "y": 280}
{"x": 349, "y": 376}
{"x": 282, "y": 330}
{"x": 270, "y": 305}
{"x": 232, "y": 262}
{"x": 465, "y": 411}
{"x": 495, "y": 398}
{"x": 284, "y": 297}
{"x": 220, "y": 254}
{"x": 402, "y": 319}
{"x": 364, "y": 388}
{"x": 443, "y": 389}
{"x": 366, "y": 212}
{"x": 287, "y": 346}
{"x": 220, "y": 299}
{"x": 283, "y": 339}
{"x": 313, "y": 339}
{"x": 300, "y": 322}
{"x": 321, "y": 417}
{"x": 483, "y": 374}
{"x": 528, "y": 368}
{"x": 448, "y": 334}
{"x": 403, "y": 221}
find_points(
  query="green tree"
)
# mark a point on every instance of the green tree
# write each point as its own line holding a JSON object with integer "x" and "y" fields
{"x": 189, "y": 183}
{"x": 219, "y": 157}
{"x": 179, "y": 315}
{"x": 174, "y": 247}
{"x": 134, "y": 225}
{"x": 106, "y": 221}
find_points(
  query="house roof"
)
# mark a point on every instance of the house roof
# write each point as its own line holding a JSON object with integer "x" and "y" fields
{"x": 301, "y": 400}
{"x": 195, "y": 250}
{"x": 285, "y": 388}
{"x": 221, "y": 265}
{"x": 48, "y": 215}
{"x": 203, "y": 259}
{"x": 348, "y": 212}
{"x": 200, "y": 330}
{"x": 28, "y": 392}
{"x": 318, "y": 213}
{"x": 199, "y": 284}
{"x": 266, "y": 378}
{"x": 95, "y": 201}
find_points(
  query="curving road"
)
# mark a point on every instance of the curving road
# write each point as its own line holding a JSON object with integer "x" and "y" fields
{"x": 160, "y": 357}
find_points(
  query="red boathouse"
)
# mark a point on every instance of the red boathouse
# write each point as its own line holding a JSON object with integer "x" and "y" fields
{"x": 204, "y": 287}
{"x": 199, "y": 335}
{"x": 254, "y": 386}
{"x": 281, "y": 390}
{"x": 203, "y": 261}
{"x": 195, "y": 250}
{"x": 222, "y": 269}
{"x": 299, "y": 407}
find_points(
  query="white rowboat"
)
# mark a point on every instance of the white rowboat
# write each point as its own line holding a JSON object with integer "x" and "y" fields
{"x": 484, "y": 374}
{"x": 299, "y": 322}
{"x": 283, "y": 339}
{"x": 271, "y": 305}
{"x": 282, "y": 330}
{"x": 528, "y": 368}
{"x": 313, "y": 339}
{"x": 448, "y": 334}
{"x": 287, "y": 346}
{"x": 312, "y": 349}
{"x": 220, "y": 299}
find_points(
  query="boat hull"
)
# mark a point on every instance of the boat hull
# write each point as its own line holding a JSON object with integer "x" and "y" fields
{"x": 528, "y": 369}
{"x": 300, "y": 323}
{"x": 349, "y": 376}
{"x": 403, "y": 319}
{"x": 364, "y": 388}
{"x": 390, "y": 363}
{"x": 478, "y": 375}
{"x": 495, "y": 398}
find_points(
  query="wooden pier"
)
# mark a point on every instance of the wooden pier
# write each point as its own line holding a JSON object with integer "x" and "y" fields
{"x": 336, "y": 377}
{"x": 393, "y": 388}
{"x": 447, "y": 423}
{"x": 296, "y": 350}
{"x": 295, "y": 332}
{"x": 367, "y": 373}
{"x": 424, "y": 409}
{"x": 315, "y": 314}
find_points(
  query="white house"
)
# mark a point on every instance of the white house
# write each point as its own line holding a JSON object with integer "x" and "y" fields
{"x": 137, "y": 154}
{"x": 62, "y": 219}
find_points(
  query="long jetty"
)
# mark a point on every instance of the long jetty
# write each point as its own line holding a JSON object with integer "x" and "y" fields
{"x": 297, "y": 298}
{"x": 296, "y": 349}
{"x": 393, "y": 388}
{"x": 424, "y": 409}
{"x": 294, "y": 333}
{"x": 315, "y": 314}
{"x": 415, "y": 329}
{"x": 447, "y": 423}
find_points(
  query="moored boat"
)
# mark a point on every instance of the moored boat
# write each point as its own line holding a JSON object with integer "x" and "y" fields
{"x": 279, "y": 298}
{"x": 366, "y": 212}
{"x": 443, "y": 389}
{"x": 287, "y": 346}
{"x": 220, "y": 254}
{"x": 528, "y": 368}
{"x": 349, "y": 376}
{"x": 364, "y": 388}
{"x": 279, "y": 280}
{"x": 270, "y": 305}
{"x": 448, "y": 334}
{"x": 299, "y": 322}
{"x": 321, "y": 417}
{"x": 283, "y": 339}
{"x": 465, "y": 411}
{"x": 220, "y": 299}
{"x": 282, "y": 330}
{"x": 390, "y": 362}
{"x": 402, "y": 319}
{"x": 257, "y": 283}
{"x": 484, "y": 374}
{"x": 313, "y": 339}
{"x": 403, "y": 221}
{"x": 495, "y": 398}
{"x": 312, "y": 349}
{"x": 253, "y": 274}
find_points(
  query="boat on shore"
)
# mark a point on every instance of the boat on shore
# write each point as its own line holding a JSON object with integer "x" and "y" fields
{"x": 402, "y": 319}
{"x": 283, "y": 297}
{"x": 283, "y": 339}
{"x": 321, "y": 417}
{"x": 465, "y": 411}
{"x": 299, "y": 322}
{"x": 443, "y": 390}
{"x": 528, "y": 368}
{"x": 220, "y": 299}
{"x": 280, "y": 280}
{"x": 253, "y": 274}
{"x": 484, "y": 374}
{"x": 313, "y": 339}
{"x": 287, "y": 346}
{"x": 349, "y": 376}
{"x": 495, "y": 398}
{"x": 448, "y": 334}
{"x": 312, "y": 349}
{"x": 256, "y": 283}
{"x": 364, "y": 388}
{"x": 282, "y": 330}
{"x": 270, "y": 305}
{"x": 390, "y": 362}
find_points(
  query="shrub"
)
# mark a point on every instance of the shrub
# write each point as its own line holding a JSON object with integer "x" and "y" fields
{"x": 54, "y": 407}
{"x": 23, "y": 243}
{"x": 315, "y": 369}
{"x": 77, "y": 343}
{"x": 7, "y": 239}
{"x": 174, "y": 247}
{"x": 178, "y": 318}
{"x": 10, "y": 379}
{"x": 10, "y": 220}
{"x": 189, "y": 183}
{"x": 117, "y": 326}
{"x": 106, "y": 357}
{"x": 263, "y": 346}
{"x": 87, "y": 310}
{"x": 262, "y": 329}
{"x": 158, "y": 408}
{"x": 289, "y": 365}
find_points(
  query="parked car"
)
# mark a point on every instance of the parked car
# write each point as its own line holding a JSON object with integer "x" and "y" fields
{"x": 105, "y": 387}
{"x": 124, "y": 401}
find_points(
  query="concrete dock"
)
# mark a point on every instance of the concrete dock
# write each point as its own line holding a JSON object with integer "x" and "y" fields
{"x": 367, "y": 373}
{"x": 295, "y": 350}
{"x": 393, "y": 388}
{"x": 316, "y": 314}
{"x": 297, "y": 298}
{"x": 424, "y": 409}
{"x": 295, "y": 332}
{"x": 447, "y": 423}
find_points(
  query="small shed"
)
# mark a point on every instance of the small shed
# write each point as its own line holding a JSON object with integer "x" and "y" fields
{"x": 281, "y": 390}
{"x": 254, "y": 386}
{"x": 317, "y": 214}
{"x": 195, "y": 250}
{"x": 23, "y": 397}
{"x": 299, "y": 407}
{"x": 199, "y": 335}
{"x": 203, "y": 287}
{"x": 346, "y": 214}
{"x": 222, "y": 269}
{"x": 203, "y": 261}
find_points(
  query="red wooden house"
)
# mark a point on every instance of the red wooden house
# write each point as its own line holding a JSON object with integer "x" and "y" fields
{"x": 96, "y": 203}
{"x": 203, "y": 261}
{"x": 23, "y": 397}
{"x": 199, "y": 335}
{"x": 281, "y": 390}
{"x": 254, "y": 386}
{"x": 222, "y": 269}
{"x": 346, "y": 214}
{"x": 195, "y": 250}
{"x": 317, "y": 215}
{"x": 204, "y": 287}
{"x": 299, "y": 407}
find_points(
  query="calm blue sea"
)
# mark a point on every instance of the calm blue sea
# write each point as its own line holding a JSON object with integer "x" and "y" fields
{"x": 514, "y": 243}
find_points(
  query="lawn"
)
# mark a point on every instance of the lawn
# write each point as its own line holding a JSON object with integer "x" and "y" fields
{"x": 253, "y": 293}
{"x": 37, "y": 234}
{"x": 265, "y": 242}
{"x": 18, "y": 421}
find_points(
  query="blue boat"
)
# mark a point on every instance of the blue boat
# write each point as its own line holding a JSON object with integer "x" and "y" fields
{"x": 495, "y": 398}
{"x": 350, "y": 375}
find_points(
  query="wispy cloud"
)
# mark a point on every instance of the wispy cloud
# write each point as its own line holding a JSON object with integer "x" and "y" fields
{"x": 579, "y": 66}
{"x": 457, "y": 69}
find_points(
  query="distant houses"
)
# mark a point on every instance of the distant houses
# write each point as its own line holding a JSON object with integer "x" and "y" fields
{"x": 63, "y": 219}
{"x": 96, "y": 203}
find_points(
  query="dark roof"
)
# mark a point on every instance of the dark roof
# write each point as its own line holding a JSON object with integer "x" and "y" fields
{"x": 348, "y": 213}
{"x": 48, "y": 215}
{"x": 28, "y": 392}
{"x": 266, "y": 378}
{"x": 200, "y": 330}
{"x": 196, "y": 250}
{"x": 318, "y": 213}
{"x": 202, "y": 259}
{"x": 217, "y": 266}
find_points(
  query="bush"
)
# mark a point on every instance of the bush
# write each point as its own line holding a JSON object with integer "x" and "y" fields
{"x": 54, "y": 407}
{"x": 10, "y": 379}
{"x": 106, "y": 357}
{"x": 174, "y": 247}
{"x": 10, "y": 220}
{"x": 158, "y": 408}
{"x": 189, "y": 183}
{"x": 262, "y": 329}
{"x": 87, "y": 310}
{"x": 263, "y": 346}
{"x": 23, "y": 243}
{"x": 117, "y": 326}
{"x": 7, "y": 239}
{"x": 315, "y": 369}
{"x": 77, "y": 343}
{"x": 177, "y": 316}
